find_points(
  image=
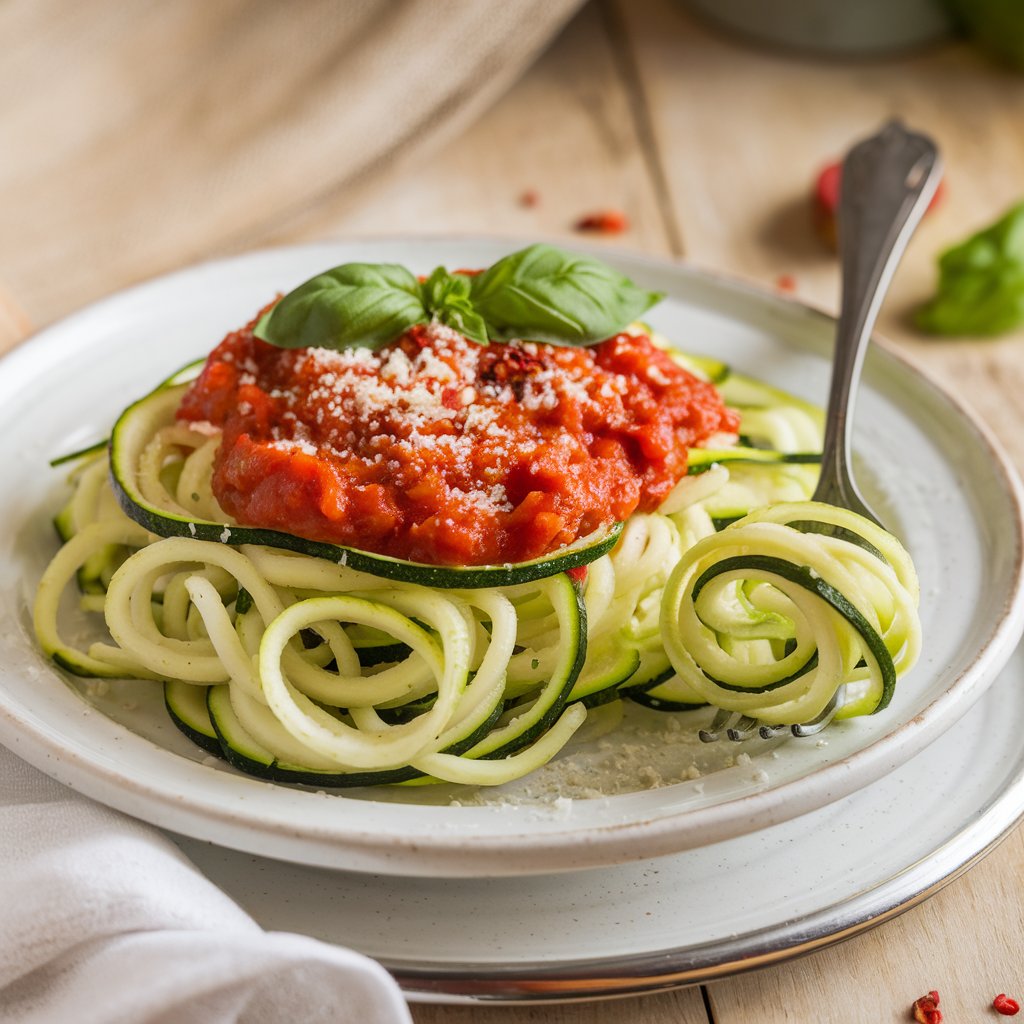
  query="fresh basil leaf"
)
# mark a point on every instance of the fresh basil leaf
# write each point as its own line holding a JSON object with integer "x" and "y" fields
{"x": 446, "y": 296}
{"x": 981, "y": 282}
{"x": 461, "y": 316}
{"x": 364, "y": 305}
{"x": 545, "y": 294}
{"x": 442, "y": 287}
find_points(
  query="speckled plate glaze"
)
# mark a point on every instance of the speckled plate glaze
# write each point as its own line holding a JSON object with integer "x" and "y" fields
{"x": 928, "y": 467}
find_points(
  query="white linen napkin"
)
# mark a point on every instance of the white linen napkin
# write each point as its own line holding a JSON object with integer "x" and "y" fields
{"x": 104, "y": 921}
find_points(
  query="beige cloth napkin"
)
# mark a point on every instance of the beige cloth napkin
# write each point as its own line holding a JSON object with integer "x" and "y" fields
{"x": 139, "y": 137}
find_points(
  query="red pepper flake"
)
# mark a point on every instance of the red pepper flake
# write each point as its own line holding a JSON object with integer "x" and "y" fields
{"x": 785, "y": 283}
{"x": 926, "y": 1009}
{"x": 1005, "y": 1005}
{"x": 609, "y": 222}
{"x": 579, "y": 575}
{"x": 530, "y": 198}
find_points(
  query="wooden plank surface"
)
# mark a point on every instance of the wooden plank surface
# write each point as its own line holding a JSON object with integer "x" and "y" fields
{"x": 15, "y": 325}
{"x": 742, "y": 132}
{"x": 567, "y": 132}
{"x": 709, "y": 147}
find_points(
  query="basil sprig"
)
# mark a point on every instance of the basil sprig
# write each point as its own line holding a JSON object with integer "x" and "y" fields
{"x": 538, "y": 294}
{"x": 447, "y": 296}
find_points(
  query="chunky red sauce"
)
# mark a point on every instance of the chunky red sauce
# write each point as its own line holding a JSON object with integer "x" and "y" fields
{"x": 439, "y": 450}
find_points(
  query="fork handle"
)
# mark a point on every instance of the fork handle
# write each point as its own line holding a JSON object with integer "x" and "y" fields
{"x": 887, "y": 182}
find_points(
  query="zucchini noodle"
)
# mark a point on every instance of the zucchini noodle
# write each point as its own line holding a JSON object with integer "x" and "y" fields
{"x": 738, "y": 592}
{"x": 764, "y": 618}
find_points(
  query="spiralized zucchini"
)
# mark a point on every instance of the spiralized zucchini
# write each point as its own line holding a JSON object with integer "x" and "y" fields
{"x": 309, "y": 671}
{"x": 767, "y": 616}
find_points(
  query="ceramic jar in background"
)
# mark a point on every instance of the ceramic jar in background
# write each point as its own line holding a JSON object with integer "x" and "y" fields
{"x": 861, "y": 29}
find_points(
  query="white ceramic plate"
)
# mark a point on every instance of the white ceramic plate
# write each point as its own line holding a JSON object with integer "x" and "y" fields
{"x": 697, "y": 916}
{"x": 930, "y": 470}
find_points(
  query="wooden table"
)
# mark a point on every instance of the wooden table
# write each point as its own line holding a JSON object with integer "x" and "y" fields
{"x": 709, "y": 147}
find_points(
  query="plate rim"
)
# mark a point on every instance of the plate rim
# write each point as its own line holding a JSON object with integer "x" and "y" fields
{"x": 614, "y": 841}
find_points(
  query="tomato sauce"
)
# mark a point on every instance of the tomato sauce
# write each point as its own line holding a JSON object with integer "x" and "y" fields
{"x": 438, "y": 450}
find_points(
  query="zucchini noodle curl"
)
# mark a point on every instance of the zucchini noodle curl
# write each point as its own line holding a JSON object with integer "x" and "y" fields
{"x": 312, "y": 672}
{"x": 772, "y": 615}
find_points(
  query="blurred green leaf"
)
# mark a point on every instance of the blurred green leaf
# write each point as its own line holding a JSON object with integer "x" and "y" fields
{"x": 981, "y": 282}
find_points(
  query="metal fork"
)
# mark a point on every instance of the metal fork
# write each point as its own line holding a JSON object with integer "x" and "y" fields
{"x": 887, "y": 182}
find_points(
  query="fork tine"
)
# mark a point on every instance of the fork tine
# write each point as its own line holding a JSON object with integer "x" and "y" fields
{"x": 815, "y": 725}
{"x": 739, "y": 727}
{"x": 718, "y": 723}
{"x": 742, "y": 729}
